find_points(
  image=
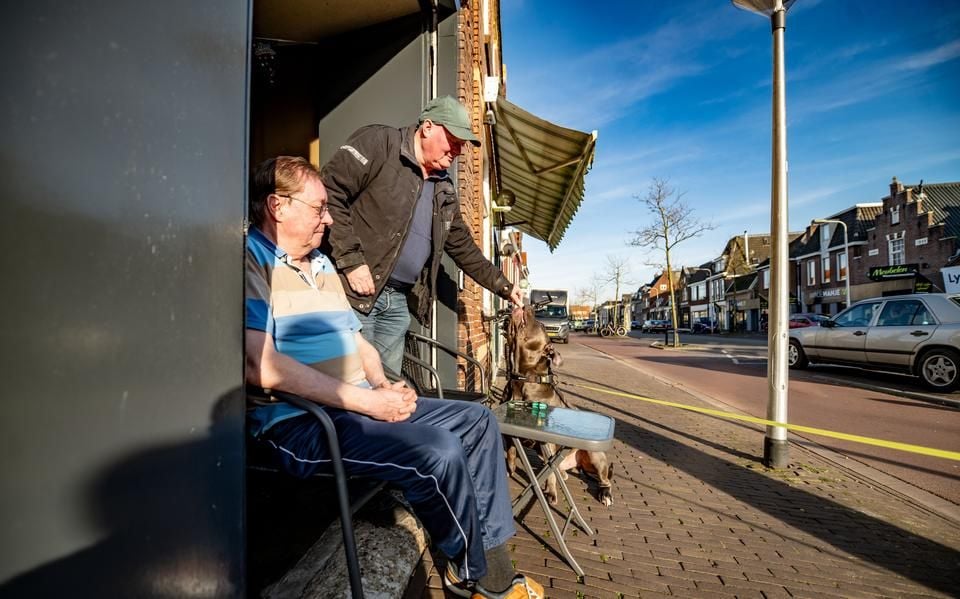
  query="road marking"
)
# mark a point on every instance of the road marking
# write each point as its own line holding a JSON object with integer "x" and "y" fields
{"x": 744, "y": 360}
{"x": 908, "y": 447}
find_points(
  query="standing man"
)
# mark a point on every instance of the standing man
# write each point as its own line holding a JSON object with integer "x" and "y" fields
{"x": 397, "y": 211}
{"x": 303, "y": 337}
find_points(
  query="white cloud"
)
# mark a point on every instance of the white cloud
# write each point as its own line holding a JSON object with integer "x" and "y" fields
{"x": 931, "y": 58}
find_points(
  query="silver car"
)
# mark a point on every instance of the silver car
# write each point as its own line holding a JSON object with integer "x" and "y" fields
{"x": 912, "y": 334}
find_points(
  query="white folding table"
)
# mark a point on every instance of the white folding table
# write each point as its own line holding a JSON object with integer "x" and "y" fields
{"x": 569, "y": 430}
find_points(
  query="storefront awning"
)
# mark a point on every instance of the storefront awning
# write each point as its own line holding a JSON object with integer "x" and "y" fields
{"x": 544, "y": 166}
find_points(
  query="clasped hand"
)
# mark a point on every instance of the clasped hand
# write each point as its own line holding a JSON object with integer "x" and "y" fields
{"x": 394, "y": 402}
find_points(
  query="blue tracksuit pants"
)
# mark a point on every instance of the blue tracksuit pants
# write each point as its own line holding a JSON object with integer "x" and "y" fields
{"x": 447, "y": 458}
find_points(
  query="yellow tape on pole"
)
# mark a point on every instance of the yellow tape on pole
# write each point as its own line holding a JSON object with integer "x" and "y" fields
{"x": 920, "y": 449}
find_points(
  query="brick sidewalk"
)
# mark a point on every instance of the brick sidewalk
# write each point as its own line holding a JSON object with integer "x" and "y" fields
{"x": 696, "y": 514}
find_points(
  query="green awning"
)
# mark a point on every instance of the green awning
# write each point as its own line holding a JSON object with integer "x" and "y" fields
{"x": 544, "y": 166}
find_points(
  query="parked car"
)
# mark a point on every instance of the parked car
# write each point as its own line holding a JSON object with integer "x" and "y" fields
{"x": 799, "y": 321}
{"x": 910, "y": 334}
{"x": 655, "y": 326}
{"x": 704, "y": 325}
{"x": 635, "y": 324}
{"x": 589, "y": 324}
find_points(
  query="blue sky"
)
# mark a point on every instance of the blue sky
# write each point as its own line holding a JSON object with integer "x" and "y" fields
{"x": 682, "y": 90}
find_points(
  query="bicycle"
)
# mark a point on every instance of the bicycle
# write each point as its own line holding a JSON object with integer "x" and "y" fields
{"x": 608, "y": 330}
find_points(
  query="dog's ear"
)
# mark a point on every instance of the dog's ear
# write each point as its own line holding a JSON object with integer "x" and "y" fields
{"x": 553, "y": 355}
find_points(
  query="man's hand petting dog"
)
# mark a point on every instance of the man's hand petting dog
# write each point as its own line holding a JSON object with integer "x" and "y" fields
{"x": 395, "y": 402}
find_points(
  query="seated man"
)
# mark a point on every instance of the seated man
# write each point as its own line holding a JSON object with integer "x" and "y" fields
{"x": 303, "y": 337}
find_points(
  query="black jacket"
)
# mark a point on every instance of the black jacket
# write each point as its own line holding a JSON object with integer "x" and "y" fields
{"x": 373, "y": 182}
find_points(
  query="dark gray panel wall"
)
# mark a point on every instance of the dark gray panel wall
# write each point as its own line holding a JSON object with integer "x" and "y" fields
{"x": 122, "y": 169}
{"x": 448, "y": 283}
{"x": 393, "y": 95}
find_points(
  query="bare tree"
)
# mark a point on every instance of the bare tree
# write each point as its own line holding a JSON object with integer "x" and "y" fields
{"x": 673, "y": 223}
{"x": 616, "y": 272}
{"x": 590, "y": 294}
{"x": 583, "y": 297}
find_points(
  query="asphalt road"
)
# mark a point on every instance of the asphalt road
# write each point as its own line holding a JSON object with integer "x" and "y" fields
{"x": 732, "y": 371}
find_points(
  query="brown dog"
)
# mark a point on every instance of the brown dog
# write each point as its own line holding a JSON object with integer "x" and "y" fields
{"x": 530, "y": 361}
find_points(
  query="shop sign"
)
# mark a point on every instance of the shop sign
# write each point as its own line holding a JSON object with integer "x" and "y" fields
{"x": 951, "y": 279}
{"x": 898, "y": 271}
{"x": 922, "y": 285}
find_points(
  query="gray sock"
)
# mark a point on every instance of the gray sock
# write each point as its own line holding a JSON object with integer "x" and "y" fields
{"x": 500, "y": 570}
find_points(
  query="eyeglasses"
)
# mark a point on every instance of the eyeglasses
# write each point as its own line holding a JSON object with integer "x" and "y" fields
{"x": 321, "y": 210}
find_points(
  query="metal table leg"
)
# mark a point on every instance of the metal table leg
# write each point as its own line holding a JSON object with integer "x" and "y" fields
{"x": 552, "y": 463}
{"x": 551, "y": 521}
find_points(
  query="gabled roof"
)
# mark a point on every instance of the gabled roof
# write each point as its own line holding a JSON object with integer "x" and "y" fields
{"x": 741, "y": 283}
{"x": 943, "y": 199}
{"x": 858, "y": 219}
{"x": 697, "y": 274}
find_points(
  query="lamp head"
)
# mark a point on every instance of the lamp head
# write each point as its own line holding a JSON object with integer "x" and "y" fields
{"x": 763, "y": 7}
{"x": 505, "y": 201}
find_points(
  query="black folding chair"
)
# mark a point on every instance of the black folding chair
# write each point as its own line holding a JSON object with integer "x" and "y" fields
{"x": 425, "y": 379}
{"x": 345, "y": 506}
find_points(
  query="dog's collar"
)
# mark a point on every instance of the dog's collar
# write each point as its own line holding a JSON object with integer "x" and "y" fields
{"x": 545, "y": 379}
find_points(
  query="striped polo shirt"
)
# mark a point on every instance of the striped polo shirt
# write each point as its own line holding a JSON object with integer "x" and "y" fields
{"x": 307, "y": 314}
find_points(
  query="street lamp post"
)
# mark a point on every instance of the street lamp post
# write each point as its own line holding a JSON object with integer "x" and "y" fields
{"x": 775, "y": 449}
{"x": 846, "y": 251}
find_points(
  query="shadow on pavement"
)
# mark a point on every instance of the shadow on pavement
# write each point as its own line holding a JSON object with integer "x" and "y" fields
{"x": 755, "y": 427}
{"x": 856, "y": 533}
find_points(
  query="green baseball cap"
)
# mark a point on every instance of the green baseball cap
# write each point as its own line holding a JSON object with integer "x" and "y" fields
{"x": 452, "y": 115}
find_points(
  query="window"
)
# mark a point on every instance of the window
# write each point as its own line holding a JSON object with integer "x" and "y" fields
{"x": 766, "y": 279}
{"x": 895, "y": 215}
{"x": 825, "y": 266}
{"x": 921, "y": 241}
{"x": 716, "y": 291}
{"x": 824, "y": 235}
{"x": 904, "y": 313}
{"x": 663, "y": 286}
{"x": 811, "y": 273}
{"x": 857, "y": 316}
{"x": 699, "y": 291}
{"x": 842, "y": 267}
{"x": 895, "y": 248}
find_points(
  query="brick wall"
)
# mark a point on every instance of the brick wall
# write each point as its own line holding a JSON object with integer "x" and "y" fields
{"x": 915, "y": 224}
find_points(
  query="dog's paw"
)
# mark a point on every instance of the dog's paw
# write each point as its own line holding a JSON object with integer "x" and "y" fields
{"x": 606, "y": 498}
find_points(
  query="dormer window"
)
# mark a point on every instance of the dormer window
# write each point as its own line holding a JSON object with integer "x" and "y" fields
{"x": 895, "y": 215}
{"x": 825, "y": 234}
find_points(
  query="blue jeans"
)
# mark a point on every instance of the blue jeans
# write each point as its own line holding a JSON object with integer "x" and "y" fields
{"x": 386, "y": 326}
{"x": 447, "y": 458}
